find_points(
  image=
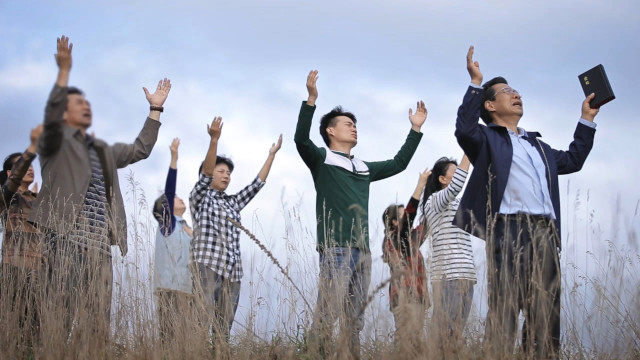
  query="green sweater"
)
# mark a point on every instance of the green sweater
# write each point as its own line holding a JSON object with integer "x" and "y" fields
{"x": 342, "y": 185}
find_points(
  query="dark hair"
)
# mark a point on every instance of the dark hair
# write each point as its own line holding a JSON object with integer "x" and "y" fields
{"x": 72, "y": 90}
{"x": 489, "y": 95}
{"x": 7, "y": 166}
{"x": 433, "y": 183}
{"x": 329, "y": 120}
{"x": 390, "y": 214}
{"x": 219, "y": 160}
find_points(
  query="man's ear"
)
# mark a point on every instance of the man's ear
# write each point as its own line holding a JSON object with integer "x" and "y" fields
{"x": 330, "y": 130}
{"x": 489, "y": 106}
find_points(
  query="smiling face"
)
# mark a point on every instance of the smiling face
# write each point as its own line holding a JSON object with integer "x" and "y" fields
{"x": 343, "y": 131}
{"x": 507, "y": 102}
{"x": 221, "y": 177}
{"x": 78, "y": 113}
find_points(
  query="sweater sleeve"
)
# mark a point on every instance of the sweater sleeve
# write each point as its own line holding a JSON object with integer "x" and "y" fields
{"x": 441, "y": 199}
{"x": 309, "y": 152}
{"x": 383, "y": 169}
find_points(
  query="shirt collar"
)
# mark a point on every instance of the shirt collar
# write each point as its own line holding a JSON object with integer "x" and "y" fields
{"x": 342, "y": 154}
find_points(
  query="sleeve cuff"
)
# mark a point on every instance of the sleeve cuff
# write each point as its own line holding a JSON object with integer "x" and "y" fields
{"x": 475, "y": 86}
{"x": 588, "y": 123}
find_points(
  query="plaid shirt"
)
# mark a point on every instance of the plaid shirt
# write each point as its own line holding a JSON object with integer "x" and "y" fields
{"x": 216, "y": 242}
{"x": 402, "y": 253}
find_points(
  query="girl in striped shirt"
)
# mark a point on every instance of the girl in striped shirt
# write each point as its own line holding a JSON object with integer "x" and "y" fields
{"x": 452, "y": 270}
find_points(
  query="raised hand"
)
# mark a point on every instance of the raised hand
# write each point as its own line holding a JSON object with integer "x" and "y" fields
{"x": 173, "y": 148}
{"x": 589, "y": 113}
{"x": 424, "y": 176}
{"x": 162, "y": 91}
{"x": 276, "y": 146}
{"x": 419, "y": 117}
{"x": 35, "y": 134}
{"x": 312, "y": 78}
{"x": 473, "y": 67}
{"x": 33, "y": 139}
{"x": 422, "y": 182}
{"x": 63, "y": 55}
{"x": 215, "y": 129}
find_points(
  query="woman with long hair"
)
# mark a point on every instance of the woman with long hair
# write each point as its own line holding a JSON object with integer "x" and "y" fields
{"x": 22, "y": 253}
{"x": 452, "y": 270}
{"x": 408, "y": 293}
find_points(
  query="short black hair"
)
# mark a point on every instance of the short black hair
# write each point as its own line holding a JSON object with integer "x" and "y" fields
{"x": 220, "y": 159}
{"x": 329, "y": 119}
{"x": 490, "y": 95}
{"x": 7, "y": 166}
{"x": 72, "y": 90}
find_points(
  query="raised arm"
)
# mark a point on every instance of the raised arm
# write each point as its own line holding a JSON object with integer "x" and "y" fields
{"x": 383, "y": 169}
{"x": 468, "y": 131}
{"x": 57, "y": 103}
{"x": 264, "y": 172}
{"x": 169, "y": 222}
{"x": 19, "y": 169}
{"x": 309, "y": 152}
{"x": 441, "y": 199}
{"x": 214, "y": 130}
{"x": 411, "y": 210}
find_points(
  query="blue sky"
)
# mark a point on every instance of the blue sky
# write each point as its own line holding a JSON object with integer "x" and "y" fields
{"x": 247, "y": 61}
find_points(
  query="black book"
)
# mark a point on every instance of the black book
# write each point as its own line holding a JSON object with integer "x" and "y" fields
{"x": 595, "y": 81}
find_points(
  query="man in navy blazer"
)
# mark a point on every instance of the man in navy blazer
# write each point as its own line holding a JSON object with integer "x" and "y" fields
{"x": 512, "y": 201}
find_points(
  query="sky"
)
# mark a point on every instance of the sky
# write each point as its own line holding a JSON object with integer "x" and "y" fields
{"x": 247, "y": 61}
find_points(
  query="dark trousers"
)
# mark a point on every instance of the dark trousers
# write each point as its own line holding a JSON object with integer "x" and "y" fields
{"x": 523, "y": 272}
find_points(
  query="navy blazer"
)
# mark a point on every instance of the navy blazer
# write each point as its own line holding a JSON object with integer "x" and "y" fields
{"x": 490, "y": 151}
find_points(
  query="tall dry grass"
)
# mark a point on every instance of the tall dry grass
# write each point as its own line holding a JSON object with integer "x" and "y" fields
{"x": 601, "y": 308}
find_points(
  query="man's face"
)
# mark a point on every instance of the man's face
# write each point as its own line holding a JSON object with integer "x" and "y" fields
{"x": 507, "y": 101}
{"x": 221, "y": 177}
{"x": 78, "y": 113}
{"x": 344, "y": 131}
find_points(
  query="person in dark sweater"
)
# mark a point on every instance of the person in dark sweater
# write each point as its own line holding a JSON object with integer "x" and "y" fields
{"x": 342, "y": 209}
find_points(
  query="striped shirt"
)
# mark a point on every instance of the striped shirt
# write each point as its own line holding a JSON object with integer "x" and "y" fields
{"x": 91, "y": 229}
{"x": 451, "y": 252}
{"x": 216, "y": 241}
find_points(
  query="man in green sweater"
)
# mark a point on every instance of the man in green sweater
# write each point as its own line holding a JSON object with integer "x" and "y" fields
{"x": 342, "y": 211}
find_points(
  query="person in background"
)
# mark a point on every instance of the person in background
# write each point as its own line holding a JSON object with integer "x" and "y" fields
{"x": 172, "y": 281}
{"x": 216, "y": 241}
{"x": 408, "y": 293}
{"x": 23, "y": 263}
{"x": 452, "y": 269}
